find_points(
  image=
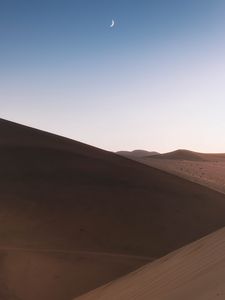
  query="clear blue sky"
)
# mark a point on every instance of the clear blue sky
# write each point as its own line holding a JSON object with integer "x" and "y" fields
{"x": 155, "y": 81}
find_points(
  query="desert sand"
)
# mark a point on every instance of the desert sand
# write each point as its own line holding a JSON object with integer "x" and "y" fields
{"x": 45, "y": 274}
{"x": 205, "y": 169}
{"x": 196, "y": 271}
{"x": 69, "y": 210}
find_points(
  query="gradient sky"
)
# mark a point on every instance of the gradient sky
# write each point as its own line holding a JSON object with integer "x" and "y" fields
{"x": 155, "y": 81}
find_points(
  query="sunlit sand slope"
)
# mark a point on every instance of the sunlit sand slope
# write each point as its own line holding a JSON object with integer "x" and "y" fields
{"x": 196, "y": 271}
{"x": 205, "y": 169}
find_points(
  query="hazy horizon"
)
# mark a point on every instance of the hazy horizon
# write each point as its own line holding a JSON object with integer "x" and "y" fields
{"x": 155, "y": 81}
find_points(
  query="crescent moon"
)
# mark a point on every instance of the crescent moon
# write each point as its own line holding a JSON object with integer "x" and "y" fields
{"x": 113, "y": 24}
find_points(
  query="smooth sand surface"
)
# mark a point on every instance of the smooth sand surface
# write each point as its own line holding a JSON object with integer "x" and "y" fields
{"x": 59, "y": 194}
{"x": 46, "y": 274}
{"x": 196, "y": 271}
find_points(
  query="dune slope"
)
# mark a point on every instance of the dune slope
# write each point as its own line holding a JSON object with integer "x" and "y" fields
{"x": 48, "y": 274}
{"x": 59, "y": 194}
{"x": 137, "y": 153}
{"x": 209, "y": 172}
{"x": 64, "y": 193}
{"x": 196, "y": 271}
{"x": 181, "y": 155}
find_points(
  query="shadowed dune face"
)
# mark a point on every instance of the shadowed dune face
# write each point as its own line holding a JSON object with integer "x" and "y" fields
{"x": 195, "y": 271}
{"x": 56, "y": 193}
{"x": 30, "y": 274}
{"x": 67, "y": 194}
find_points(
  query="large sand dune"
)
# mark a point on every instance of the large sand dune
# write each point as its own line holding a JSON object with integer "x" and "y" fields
{"x": 62, "y": 195}
{"x": 195, "y": 272}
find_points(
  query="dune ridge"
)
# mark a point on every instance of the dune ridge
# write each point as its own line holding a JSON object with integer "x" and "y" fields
{"x": 181, "y": 154}
{"x": 207, "y": 169}
{"x": 62, "y": 187}
{"x": 196, "y": 271}
{"x": 137, "y": 153}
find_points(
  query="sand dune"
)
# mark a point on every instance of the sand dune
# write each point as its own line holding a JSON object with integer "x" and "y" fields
{"x": 181, "y": 155}
{"x": 53, "y": 274}
{"x": 208, "y": 171}
{"x": 196, "y": 272}
{"x": 137, "y": 153}
{"x": 64, "y": 195}
{"x": 71, "y": 195}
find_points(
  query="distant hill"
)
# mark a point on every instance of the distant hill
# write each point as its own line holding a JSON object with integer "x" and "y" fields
{"x": 137, "y": 153}
{"x": 181, "y": 155}
{"x": 203, "y": 168}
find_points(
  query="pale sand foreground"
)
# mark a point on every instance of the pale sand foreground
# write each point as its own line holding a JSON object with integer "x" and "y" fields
{"x": 196, "y": 271}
